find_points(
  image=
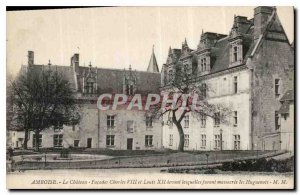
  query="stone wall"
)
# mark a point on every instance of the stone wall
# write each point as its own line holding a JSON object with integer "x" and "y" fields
{"x": 274, "y": 60}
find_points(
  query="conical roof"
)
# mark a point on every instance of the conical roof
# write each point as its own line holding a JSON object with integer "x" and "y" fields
{"x": 152, "y": 67}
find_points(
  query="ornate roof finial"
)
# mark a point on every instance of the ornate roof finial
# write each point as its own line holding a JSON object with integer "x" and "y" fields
{"x": 49, "y": 63}
{"x": 90, "y": 65}
{"x": 184, "y": 44}
{"x": 153, "y": 48}
{"x": 130, "y": 67}
{"x": 202, "y": 34}
{"x": 170, "y": 50}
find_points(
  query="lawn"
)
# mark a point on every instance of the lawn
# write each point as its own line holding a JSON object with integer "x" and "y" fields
{"x": 144, "y": 159}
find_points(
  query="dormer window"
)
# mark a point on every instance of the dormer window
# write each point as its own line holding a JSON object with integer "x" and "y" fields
{"x": 90, "y": 81}
{"x": 203, "y": 64}
{"x": 129, "y": 89}
{"x": 170, "y": 75}
{"x": 90, "y": 87}
{"x": 129, "y": 82}
{"x": 236, "y": 53}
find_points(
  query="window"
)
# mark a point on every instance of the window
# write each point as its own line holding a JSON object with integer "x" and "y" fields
{"x": 89, "y": 87}
{"x": 110, "y": 121}
{"x": 203, "y": 90}
{"x": 277, "y": 88}
{"x": 110, "y": 140}
{"x": 203, "y": 120}
{"x": 203, "y": 64}
{"x": 57, "y": 140}
{"x": 170, "y": 122}
{"x": 73, "y": 127}
{"x": 149, "y": 140}
{"x": 185, "y": 68}
{"x": 217, "y": 141}
{"x": 235, "y": 119}
{"x": 203, "y": 140}
{"x": 217, "y": 119}
{"x": 236, "y": 142}
{"x": 194, "y": 67}
{"x": 235, "y": 84}
{"x": 235, "y": 53}
{"x": 39, "y": 140}
{"x": 171, "y": 140}
{"x": 76, "y": 143}
{"x": 130, "y": 126}
{"x": 129, "y": 89}
{"x": 170, "y": 75}
{"x": 186, "y": 121}
{"x": 277, "y": 125}
{"x": 186, "y": 140}
{"x": 149, "y": 121}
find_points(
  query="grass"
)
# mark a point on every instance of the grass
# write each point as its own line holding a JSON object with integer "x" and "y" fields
{"x": 109, "y": 152}
{"x": 96, "y": 151}
{"x": 141, "y": 159}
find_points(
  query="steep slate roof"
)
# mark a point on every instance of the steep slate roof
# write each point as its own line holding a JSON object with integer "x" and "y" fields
{"x": 111, "y": 80}
{"x": 108, "y": 80}
{"x": 220, "y": 53}
{"x": 66, "y": 71}
{"x": 288, "y": 96}
{"x": 285, "y": 100}
{"x": 220, "y": 50}
{"x": 285, "y": 107}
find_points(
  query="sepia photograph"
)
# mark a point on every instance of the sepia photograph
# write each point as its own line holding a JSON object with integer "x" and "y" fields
{"x": 150, "y": 97}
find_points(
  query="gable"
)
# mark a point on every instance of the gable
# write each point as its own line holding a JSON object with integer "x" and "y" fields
{"x": 275, "y": 31}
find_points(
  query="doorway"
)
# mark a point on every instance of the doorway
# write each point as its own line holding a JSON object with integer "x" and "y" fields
{"x": 89, "y": 143}
{"x": 129, "y": 143}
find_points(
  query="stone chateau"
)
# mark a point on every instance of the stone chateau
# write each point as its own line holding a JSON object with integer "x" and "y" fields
{"x": 251, "y": 70}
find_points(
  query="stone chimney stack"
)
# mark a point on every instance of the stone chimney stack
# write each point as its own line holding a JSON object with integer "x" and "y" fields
{"x": 261, "y": 16}
{"x": 75, "y": 61}
{"x": 30, "y": 58}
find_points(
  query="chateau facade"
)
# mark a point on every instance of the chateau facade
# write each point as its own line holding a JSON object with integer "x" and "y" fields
{"x": 251, "y": 71}
{"x": 248, "y": 71}
{"x": 105, "y": 129}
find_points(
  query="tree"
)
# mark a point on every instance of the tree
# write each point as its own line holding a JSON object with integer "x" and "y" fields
{"x": 43, "y": 99}
{"x": 189, "y": 95}
{"x": 9, "y": 108}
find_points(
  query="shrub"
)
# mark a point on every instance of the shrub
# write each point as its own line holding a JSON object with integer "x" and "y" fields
{"x": 210, "y": 171}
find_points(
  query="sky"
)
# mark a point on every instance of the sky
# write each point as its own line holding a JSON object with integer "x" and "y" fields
{"x": 116, "y": 37}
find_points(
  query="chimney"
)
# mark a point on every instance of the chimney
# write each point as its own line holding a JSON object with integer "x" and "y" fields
{"x": 30, "y": 58}
{"x": 261, "y": 16}
{"x": 75, "y": 61}
{"x": 242, "y": 23}
{"x": 208, "y": 39}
